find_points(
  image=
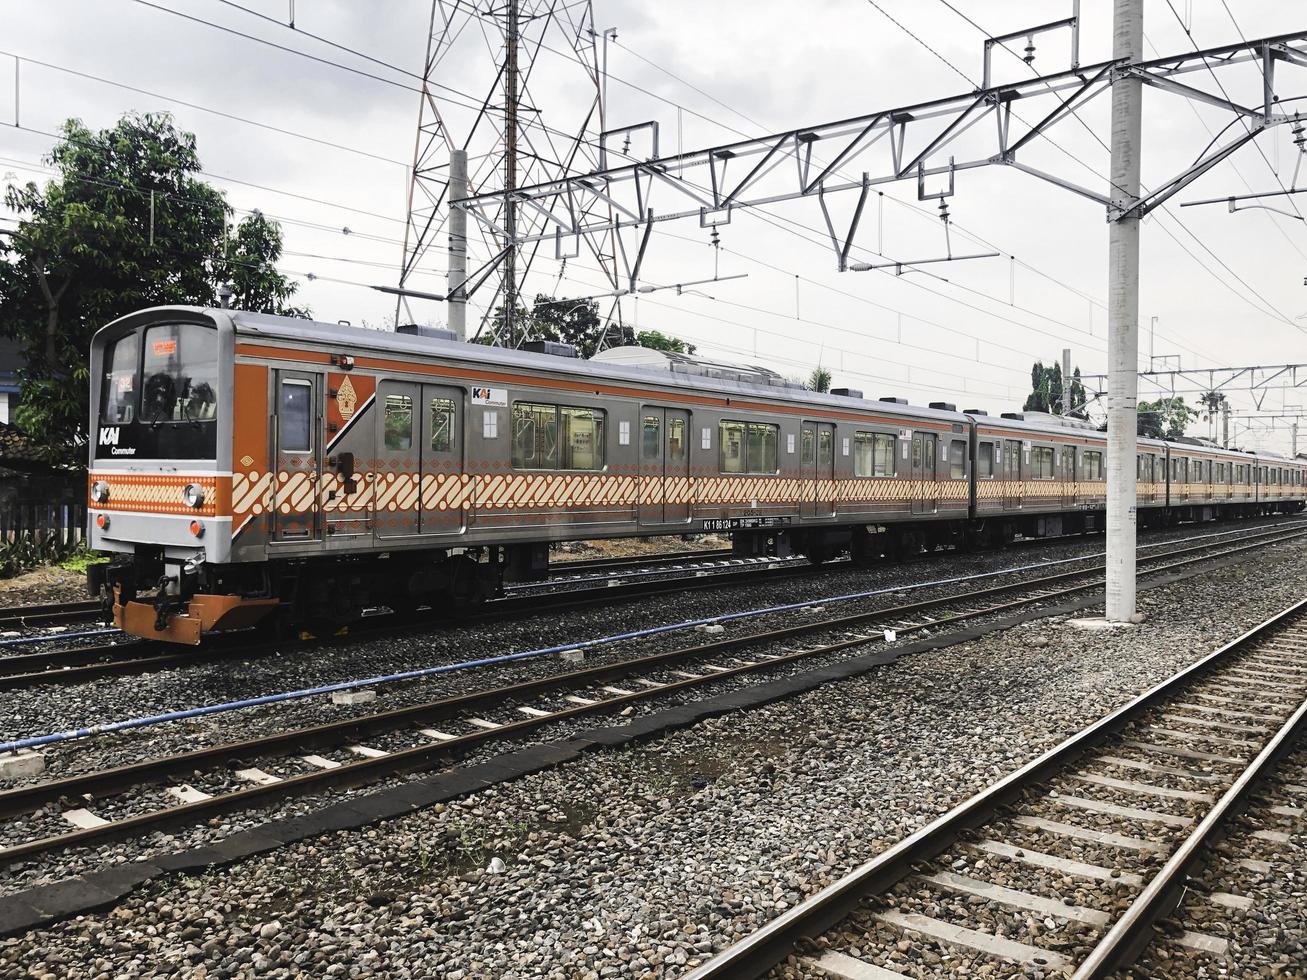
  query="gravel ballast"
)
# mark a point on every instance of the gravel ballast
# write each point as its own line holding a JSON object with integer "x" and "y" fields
{"x": 642, "y": 862}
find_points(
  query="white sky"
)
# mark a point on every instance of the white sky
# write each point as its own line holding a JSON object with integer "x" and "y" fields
{"x": 760, "y": 66}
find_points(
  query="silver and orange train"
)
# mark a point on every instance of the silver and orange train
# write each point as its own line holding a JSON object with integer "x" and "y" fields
{"x": 244, "y": 466}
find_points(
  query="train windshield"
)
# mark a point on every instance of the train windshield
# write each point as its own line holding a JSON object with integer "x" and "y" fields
{"x": 170, "y": 374}
{"x": 179, "y": 373}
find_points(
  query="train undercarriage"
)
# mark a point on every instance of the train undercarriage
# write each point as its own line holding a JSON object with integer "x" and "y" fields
{"x": 146, "y": 596}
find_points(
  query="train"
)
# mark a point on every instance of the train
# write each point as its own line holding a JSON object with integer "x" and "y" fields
{"x": 246, "y": 468}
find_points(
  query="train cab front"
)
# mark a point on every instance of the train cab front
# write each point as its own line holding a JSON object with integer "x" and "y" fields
{"x": 159, "y": 482}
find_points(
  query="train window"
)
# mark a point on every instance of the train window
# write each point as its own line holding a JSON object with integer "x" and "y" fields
{"x": 180, "y": 373}
{"x": 1091, "y": 465}
{"x": 873, "y": 454}
{"x": 442, "y": 424}
{"x": 676, "y": 440}
{"x": 582, "y": 444}
{"x": 1041, "y": 462}
{"x": 808, "y": 445}
{"x": 825, "y": 447}
{"x": 984, "y": 461}
{"x": 398, "y": 422}
{"x": 651, "y": 438}
{"x": 295, "y": 417}
{"x": 751, "y": 447}
{"x": 957, "y": 460}
{"x": 534, "y": 436}
{"x": 118, "y": 389}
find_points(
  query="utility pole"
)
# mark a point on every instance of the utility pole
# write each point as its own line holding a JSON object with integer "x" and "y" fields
{"x": 1293, "y": 429}
{"x": 510, "y": 175}
{"x": 458, "y": 245}
{"x": 1066, "y": 381}
{"x": 1225, "y": 425}
{"x": 1123, "y": 313}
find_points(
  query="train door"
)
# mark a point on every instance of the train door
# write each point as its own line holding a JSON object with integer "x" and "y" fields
{"x": 824, "y": 491}
{"x": 440, "y": 501}
{"x": 925, "y": 463}
{"x": 1066, "y": 473}
{"x": 297, "y": 426}
{"x": 664, "y": 465}
{"x": 1011, "y": 474}
{"x": 395, "y": 488}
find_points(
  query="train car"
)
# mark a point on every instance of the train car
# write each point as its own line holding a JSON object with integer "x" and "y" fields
{"x": 245, "y": 466}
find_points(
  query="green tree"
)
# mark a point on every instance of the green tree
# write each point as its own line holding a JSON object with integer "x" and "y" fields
{"x": 657, "y": 340}
{"x": 576, "y": 322}
{"x": 1046, "y": 391}
{"x": 1166, "y": 418}
{"x": 125, "y": 224}
{"x": 819, "y": 380}
{"x": 246, "y": 264}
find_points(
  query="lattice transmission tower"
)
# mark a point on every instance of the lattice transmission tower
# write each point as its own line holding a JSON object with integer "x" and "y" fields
{"x": 489, "y": 73}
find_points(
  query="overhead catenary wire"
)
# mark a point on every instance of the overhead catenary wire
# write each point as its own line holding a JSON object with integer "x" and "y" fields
{"x": 1164, "y": 209}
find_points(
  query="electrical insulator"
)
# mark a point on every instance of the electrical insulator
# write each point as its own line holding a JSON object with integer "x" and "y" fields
{"x": 943, "y": 210}
{"x": 1030, "y": 50}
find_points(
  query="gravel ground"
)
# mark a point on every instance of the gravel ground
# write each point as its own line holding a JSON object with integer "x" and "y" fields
{"x": 641, "y": 862}
{"x": 1270, "y": 938}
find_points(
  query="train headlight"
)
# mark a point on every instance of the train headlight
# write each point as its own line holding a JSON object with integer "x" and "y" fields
{"x": 193, "y": 495}
{"x": 99, "y": 491}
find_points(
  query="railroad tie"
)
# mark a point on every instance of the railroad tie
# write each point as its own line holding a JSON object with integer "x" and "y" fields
{"x": 966, "y": 885}
{"x": 534, "y": 712}
{"x": 842, "y": 967}
{"x": 980, "y": 942}
{"x": 367, "y": 751}
{"x": 1060, "y": 829}
{"x": 257, "y": 776}
{"x": 84, "y": 819}
{"x": 1144, "y": 789}
{"x": 1219, "y": 725}
{"x": 1125, "y": 812}
{"x": 320, "y": 762}
{"x": 1051, "y": 862}
{"x": 187, "y": 793}
{"x": 1142, "y": 766}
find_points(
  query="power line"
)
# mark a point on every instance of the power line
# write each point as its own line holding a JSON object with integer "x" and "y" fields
{"x": 201, "y": 108}
{"x": 1270, "y": 310}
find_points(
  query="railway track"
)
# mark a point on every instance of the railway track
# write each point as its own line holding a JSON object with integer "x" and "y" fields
{"x": 131, "y": 799}
{"x": 87, "y": 663}
{"x": 47, "y": 614}
{"x": 77, "y": 665}
{"x": 1068, "y": 865}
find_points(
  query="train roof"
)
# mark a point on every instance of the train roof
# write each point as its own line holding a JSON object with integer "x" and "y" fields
{"x": 296, "y": 330}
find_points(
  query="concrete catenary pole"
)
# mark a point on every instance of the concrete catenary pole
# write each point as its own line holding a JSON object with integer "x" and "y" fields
{"x": 1225, "y": 425}
{"x": 457, "y": 293}
{"x": 509, "y": 338}
{"x": 1123, "y": 313}
{"x": 1066, "y": 381}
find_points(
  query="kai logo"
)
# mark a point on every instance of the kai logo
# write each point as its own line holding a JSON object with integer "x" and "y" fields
{"x": 346, "y": 399}
{"x": 489, "y": 396}
{"x": 109, "y": 435}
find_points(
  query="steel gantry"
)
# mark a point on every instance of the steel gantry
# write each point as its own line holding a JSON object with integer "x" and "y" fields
{"x": 909, "y": 142}
{"x": 923, "y": 142}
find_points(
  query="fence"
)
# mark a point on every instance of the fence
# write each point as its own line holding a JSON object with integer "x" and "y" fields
{"x": 52, "y": 527}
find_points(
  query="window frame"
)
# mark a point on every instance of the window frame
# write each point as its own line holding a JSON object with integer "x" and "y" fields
{"x": 747, "y": 466}
{"x": 283, "y": 384}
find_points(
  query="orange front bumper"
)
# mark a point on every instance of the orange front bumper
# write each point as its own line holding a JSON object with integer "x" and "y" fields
{"x": 203, "y": 614}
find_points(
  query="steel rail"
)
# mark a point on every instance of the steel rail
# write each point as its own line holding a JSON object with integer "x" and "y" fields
{"x": 760, "y": 952}
{"x": 51, "y": 612}
{"x": 73, "y": 666}
{"x": 26, "y": 798}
